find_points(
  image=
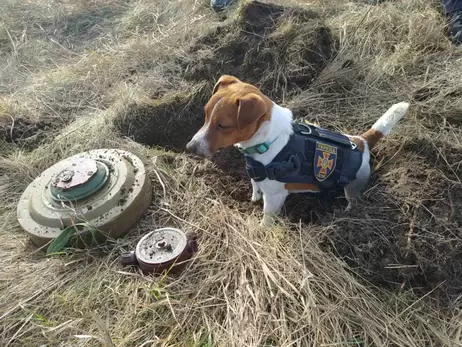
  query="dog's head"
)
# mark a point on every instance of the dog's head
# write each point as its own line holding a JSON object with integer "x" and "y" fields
{"x": 234, "y": 113}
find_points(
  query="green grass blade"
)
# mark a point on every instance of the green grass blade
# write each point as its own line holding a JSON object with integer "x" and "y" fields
{"x": 62, "y": 240}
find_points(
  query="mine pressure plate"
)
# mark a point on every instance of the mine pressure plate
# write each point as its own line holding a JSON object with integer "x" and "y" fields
{"x": 105, "y": 189}
{"x": 162, "y": 249}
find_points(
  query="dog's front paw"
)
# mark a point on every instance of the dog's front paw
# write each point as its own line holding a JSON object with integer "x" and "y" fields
{"x": 256, "y": 195}
{"x": 352, "y": 204}
{"x": 268, "y": 221}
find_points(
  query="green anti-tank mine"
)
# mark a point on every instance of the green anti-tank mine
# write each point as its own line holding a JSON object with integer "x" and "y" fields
{"x": 107, "y": 189}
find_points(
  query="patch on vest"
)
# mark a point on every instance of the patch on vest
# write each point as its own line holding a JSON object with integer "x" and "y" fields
{"x": 325, "y": 158}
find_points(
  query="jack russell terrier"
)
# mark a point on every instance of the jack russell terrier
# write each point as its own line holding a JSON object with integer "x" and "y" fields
{"x": 283, "y": 156}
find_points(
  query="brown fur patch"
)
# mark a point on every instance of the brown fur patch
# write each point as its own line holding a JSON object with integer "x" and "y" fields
{"x": 223, "y": 81}
{"x": 372, "y": 136}
{"x": 301, "y": 186}
{"x": 222, "y": 119}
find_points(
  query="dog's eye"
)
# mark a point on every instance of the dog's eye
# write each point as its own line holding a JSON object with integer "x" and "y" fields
{"x": 222, "y": 127}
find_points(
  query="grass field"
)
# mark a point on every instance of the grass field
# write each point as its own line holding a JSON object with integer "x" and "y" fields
{"x": 135, "y": 74}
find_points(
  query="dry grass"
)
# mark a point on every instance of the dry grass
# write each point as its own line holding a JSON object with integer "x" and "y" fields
{"x": 74, "y": 74}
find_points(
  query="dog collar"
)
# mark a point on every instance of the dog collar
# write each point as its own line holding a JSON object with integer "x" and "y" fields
{"x": 257, "y": 149}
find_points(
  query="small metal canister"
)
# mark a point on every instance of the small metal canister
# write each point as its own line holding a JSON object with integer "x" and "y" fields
{"x": 162, "y": 249}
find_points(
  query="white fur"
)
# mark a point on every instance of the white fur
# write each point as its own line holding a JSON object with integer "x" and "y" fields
{"x": 385, "y": 123}
{"x": 199, "y": 139}
{"x": 279, "y": 129}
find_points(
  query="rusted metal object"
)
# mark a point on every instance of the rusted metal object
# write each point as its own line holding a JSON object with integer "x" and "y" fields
{"x": 166, "y": 249}
{"x": 108, "y": 189}
{"x": 81, "y": 179}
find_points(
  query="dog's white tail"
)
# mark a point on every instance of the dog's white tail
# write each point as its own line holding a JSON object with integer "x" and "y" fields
{"x": 385, "y": 123}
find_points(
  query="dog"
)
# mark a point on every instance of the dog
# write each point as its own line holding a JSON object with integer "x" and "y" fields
{"x": 239, "y": 114}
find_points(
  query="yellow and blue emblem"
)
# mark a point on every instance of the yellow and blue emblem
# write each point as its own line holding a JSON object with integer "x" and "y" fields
{"x": 325, "y": 158}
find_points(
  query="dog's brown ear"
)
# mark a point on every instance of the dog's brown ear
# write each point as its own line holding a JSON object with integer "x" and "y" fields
{"x": 224, "y": 80}
{"x": 250, "y": 109}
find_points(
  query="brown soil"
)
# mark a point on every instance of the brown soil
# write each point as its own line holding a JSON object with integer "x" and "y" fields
{"x": 294, "y": 44}
{"x": 25, "y": 133}
{"x": 168, "y": 122}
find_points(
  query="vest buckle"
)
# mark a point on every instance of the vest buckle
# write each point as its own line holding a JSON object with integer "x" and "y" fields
{"x": 272, "y": 172}
{"x": 307, "y": 128}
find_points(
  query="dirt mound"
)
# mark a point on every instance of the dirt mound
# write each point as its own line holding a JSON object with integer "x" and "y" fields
{"x": 167, "y": 122}
{"x": 407, "y": 232}
{"x": 23, "y": 132}
{"x": 275, "y": 47}
{"x": 272, "y": 46}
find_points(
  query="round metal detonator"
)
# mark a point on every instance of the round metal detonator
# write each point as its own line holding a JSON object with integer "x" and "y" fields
{"x": 162, "y": 249}
{"x": 80, "y": 180}
{"x": 107, "y": 189}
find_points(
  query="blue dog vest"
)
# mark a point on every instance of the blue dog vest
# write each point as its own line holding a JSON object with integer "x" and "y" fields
{"x": 312, "y": 155}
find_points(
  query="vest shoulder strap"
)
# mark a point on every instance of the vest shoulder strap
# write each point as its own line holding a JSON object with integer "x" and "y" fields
{"x": 321, "y": 133}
